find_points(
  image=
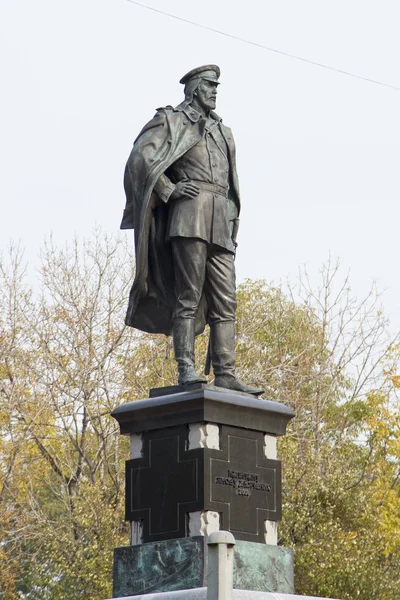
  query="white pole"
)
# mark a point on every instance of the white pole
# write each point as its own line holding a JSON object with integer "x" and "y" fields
{"x": 220, "y": 565}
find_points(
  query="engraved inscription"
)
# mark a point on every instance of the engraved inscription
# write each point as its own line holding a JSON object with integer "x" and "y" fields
{"x": 243, "y": 483}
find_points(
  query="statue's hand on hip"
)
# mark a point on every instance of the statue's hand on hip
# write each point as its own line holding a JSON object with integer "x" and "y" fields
{"x": 185, "y": 189}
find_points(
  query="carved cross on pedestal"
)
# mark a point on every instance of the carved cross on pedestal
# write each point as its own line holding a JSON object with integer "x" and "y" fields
{"x": 163, "y": 486}
{"x": 244, "y": 485}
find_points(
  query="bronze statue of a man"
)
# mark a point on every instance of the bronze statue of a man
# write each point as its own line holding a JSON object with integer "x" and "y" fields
{"x": 183, "y": 202}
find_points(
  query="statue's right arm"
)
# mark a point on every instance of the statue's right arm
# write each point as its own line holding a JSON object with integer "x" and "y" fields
{"x": 152, "y": 137}
{"x": 138, "y": 167}
{"x": 164, "y": 188}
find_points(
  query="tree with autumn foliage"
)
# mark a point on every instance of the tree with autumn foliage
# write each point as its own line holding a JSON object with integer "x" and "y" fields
{"x": 67, "y": 360}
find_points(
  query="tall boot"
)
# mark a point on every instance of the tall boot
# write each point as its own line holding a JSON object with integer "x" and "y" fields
{"x": 223, "y": 359}
{"x": 183, "y": 335}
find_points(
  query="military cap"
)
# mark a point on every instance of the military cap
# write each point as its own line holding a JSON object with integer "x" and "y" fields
{"x": 208, "y": 72}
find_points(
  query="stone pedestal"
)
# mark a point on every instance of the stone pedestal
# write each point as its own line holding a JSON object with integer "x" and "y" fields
{"x": 202, "y": 459}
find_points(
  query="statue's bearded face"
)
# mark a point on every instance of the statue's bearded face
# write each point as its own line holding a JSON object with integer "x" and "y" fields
{"x": 206, "y": 94}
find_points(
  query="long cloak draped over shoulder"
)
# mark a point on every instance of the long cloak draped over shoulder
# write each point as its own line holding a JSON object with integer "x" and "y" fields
{"x": 167, "y": 137}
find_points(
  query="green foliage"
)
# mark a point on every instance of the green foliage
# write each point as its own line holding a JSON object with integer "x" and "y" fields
{"x": 66, "y": 361}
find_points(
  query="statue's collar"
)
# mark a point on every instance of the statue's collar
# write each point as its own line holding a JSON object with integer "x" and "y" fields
{"x": 194, "y": 114}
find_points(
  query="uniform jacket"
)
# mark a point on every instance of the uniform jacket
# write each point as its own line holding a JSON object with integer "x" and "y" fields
{"x": 167, "y": 137}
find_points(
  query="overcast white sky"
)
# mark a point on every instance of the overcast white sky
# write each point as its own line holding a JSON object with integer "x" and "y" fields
{"x": 318, "y": 152}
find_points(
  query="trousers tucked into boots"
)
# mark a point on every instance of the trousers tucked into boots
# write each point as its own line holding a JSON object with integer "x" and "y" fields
{"x": 223, "y": 358}
{"x": 183, "y": 335}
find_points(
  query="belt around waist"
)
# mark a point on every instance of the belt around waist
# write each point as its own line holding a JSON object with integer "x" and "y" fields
{"x": 215, "y": 188}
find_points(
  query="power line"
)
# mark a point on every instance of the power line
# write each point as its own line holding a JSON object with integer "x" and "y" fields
{"x": 281, "y": 52}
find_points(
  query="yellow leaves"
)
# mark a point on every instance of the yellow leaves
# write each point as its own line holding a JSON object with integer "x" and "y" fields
{"x": 391, "y": 366}
{"x": 9, "y": 567}
{"x": 395, "y": 379}
{"x": 4, "y": 371}
{"x": 383, "y": 426}
{"x": 342, "y": 503}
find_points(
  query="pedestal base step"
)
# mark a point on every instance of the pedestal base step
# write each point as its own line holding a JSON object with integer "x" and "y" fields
{"x": 201, "y": 594}
{"x": 181, "y": 564}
